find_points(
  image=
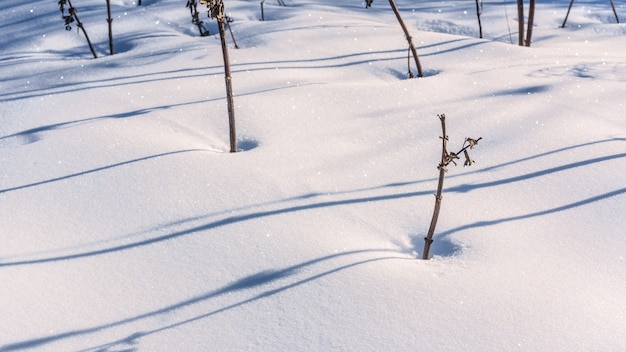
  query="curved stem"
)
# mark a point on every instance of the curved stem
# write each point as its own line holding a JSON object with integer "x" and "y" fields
{"x": 408, "y": 38}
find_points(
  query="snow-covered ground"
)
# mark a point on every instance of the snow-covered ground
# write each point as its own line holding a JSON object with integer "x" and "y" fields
{"x": 126, "y": 224}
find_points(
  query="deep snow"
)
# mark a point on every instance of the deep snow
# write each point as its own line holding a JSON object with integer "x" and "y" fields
{"x": 127, "y": 225}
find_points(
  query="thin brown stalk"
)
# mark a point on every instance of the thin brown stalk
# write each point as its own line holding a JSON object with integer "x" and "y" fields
{"x": 520, "y": 22}
{"x": 531, "y": 22}
{"x": 216, "y": 10}
{"x": 110, "y": 21}
{"x": 409, "y": 39}
{"x": 79, "y": 24}
{"x": 446, "y": 159}
{"x": 480, "y": 25}
{"x": 438, "y": 196}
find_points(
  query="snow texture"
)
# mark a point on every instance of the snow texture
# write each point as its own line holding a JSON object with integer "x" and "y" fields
{"x": 126, "y": 224}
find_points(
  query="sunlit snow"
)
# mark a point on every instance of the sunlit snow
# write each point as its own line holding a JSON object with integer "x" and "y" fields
{"x": 126, "y": 224}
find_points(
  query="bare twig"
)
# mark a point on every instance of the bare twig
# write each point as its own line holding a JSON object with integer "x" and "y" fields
{"x": 280, "y": 3}
{"x": 570, "y": 7}
{"x": 73, "y": 17}
{"x": 531, "y": 22}
{"x": 409, "y": 39}
{"x": 520, "y": 22}
{"x": 479, "y": 6}
{"x": 614, "y": 12}
{"x": 228, "y": 21}
{"x": 407, "y": 35}
{"x": 446, "y": 159}
{"x": 195, "y": 17}
{"x": 216, "y": 10}
{"x": 110, "y": 21}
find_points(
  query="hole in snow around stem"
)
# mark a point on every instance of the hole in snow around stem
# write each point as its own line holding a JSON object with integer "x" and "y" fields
{"x": 246, "y": 144}
{"x": 441, "y": 247}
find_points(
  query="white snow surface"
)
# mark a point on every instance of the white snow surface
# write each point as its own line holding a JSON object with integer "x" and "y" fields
{"x": 127, "y": 225}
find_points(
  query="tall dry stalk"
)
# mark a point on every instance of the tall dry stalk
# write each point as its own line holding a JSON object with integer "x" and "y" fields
{"x": 216, "y": 10}
{"x": 479, "y": 5}
{"x": 110, "y": 22}
{"x": 614, "y": 12}
{"x": 520, "y": 22}
{"x": 446, "y": 159}
{"x": 531, "y": 22}
{"x": 409, "y": 39}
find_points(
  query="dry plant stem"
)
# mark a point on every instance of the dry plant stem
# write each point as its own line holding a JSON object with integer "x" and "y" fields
{"x": 79, "y": 24}
{"x": 446, "y": 159}
{"x": 231, "y": 33}
{"x": 520, "y": 22}
{"x": 570, "y": 7}
{"x": 567, "y": 14}
{"x": 216, "y": 10}
{"x": 93, "y": 51}
{"x": 531, "y": 21}
{"x": 438, "y": 196}
{"x": 229, "y": 87}
{"x": 110, "y": 21}
{"x": 614, "y": 12}
{"x": 480, "y": 26}
{"x": 408, "y": 38}
{"x": 195, "y": 17}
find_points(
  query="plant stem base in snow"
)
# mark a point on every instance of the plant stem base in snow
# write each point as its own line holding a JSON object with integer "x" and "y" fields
{"x": 520, "y": 22}
{"x": 442, "y": 171}
{"x": 110, "y": 22}
{"x": 409, "y": 39}
{"x": 229, "y": 88}
{"x": 229, "y": 84}
{"x": 480, "y": 25}
{"x": 531, "y": 22}
{"x": 79, "y": 24}
{"x": 216, "y": 10}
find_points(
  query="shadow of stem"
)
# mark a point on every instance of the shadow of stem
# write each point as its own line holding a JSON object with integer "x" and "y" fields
{"x": 259, "y": 279}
